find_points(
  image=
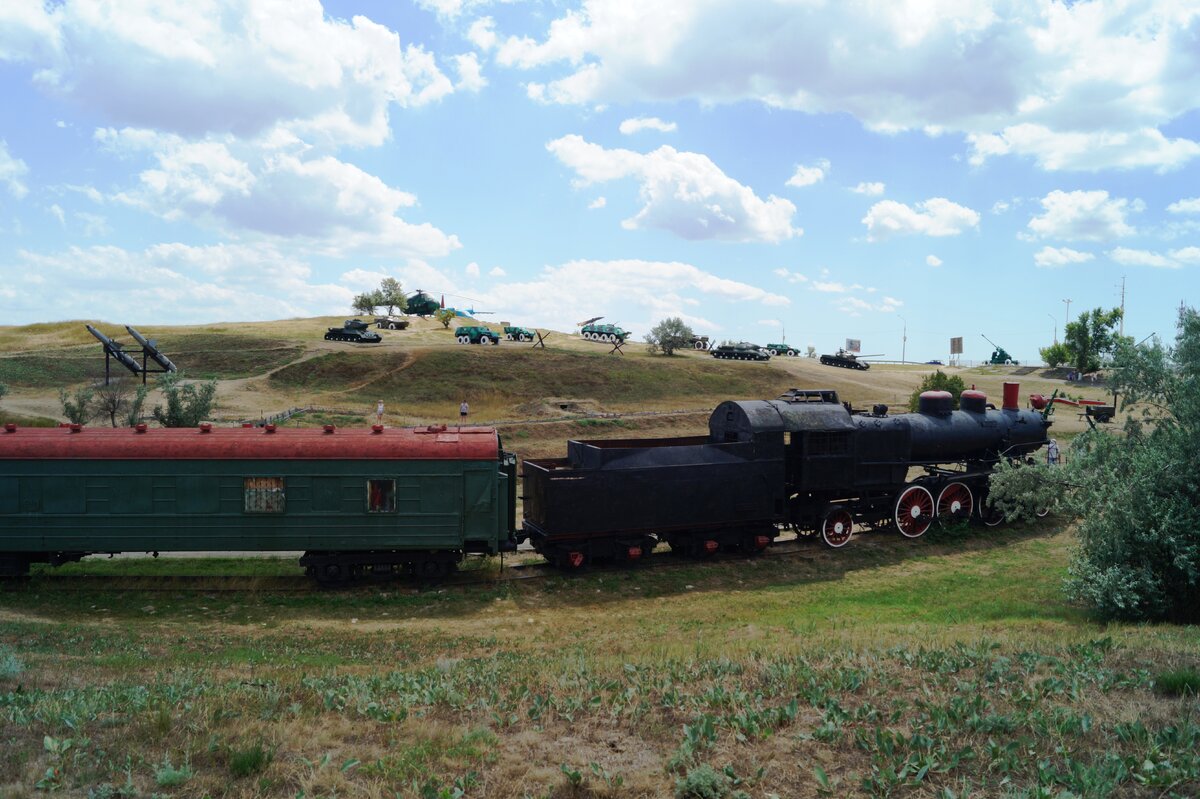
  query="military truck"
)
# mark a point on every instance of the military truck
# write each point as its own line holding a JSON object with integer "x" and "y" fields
{"x": 782, "y": 349}
{"x": 476, "y": 334}
{"x": 353, "y": 330}
{"x": 741, "y": 351}
{"x": 609, "y": 334}
{"x": 515, "y": 333}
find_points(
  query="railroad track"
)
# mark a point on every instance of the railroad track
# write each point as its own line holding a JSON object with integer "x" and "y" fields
{"x": 534, "y": 570}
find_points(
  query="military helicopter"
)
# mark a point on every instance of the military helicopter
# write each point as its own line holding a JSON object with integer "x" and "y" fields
{"x": 423, "y": 305}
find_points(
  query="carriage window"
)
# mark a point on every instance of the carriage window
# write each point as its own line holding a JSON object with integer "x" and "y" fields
{"x": 381, "y": 496}
{"x": 264, "y": 494}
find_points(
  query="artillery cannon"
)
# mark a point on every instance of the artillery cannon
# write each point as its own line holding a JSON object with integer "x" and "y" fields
{"x": 1000, "y": 356}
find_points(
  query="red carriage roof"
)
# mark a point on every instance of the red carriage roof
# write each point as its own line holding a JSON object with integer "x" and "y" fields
{"x": 257, "y": 443}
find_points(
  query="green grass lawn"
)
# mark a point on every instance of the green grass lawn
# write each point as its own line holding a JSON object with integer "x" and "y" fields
{"x": 934, "y": 668}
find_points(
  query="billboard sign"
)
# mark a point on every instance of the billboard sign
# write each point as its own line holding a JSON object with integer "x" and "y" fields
{"x": 853, "y": 345}
{"x": 956, "y": 346}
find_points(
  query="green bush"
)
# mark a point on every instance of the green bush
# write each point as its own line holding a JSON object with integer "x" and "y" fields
{"x": 168, "y": 776}
{"x": 245, "y": 762}
{"x": 1181, "y": 682}
{"x": 11, "y": 666}
{"x": 938, "y": 381}
{"x": 1137, "y": 496}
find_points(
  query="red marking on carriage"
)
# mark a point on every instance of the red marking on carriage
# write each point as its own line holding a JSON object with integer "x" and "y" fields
{"x": 762, "y": 541}
{"x": 634, "y": 553}
{"x": 711, "y": 546}
{"x": 575, "y": 559}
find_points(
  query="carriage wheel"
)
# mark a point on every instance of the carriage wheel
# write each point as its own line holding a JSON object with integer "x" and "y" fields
{"x": 990, "y": 515}
{"x": 955, "y": 503}
{"x": 914, "y": 511}
{"x": 837, "y": 527}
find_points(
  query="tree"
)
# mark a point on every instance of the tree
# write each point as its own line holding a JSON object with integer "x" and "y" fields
{"x": 669, "y": 335}
{"x": 391, "y": 294}
{"x": 1055, "y": 355}
{"x": 1091, "y": 338}
{"x": 366, "y": 303}
{"x": 188, "y": 404}
{"x": 77, "y": 407}
{"x": 938, "y": 381}
{"x": 1136, "y": 495}
{"x": 133, "y": 413}
{"x": 112, "y": 400}
{"x": 445, "y": 316}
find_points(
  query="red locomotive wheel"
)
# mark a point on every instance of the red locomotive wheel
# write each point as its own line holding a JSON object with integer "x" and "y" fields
{"x": 914, "y": 511}
{"x": 837, "y": 527}
{"x": 955, "y": 503}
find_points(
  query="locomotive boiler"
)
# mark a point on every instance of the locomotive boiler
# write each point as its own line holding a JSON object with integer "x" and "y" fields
{"x": 803, "y": 461}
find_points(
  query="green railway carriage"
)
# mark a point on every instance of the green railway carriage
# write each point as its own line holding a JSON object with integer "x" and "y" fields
{"x": 355, "y": 500}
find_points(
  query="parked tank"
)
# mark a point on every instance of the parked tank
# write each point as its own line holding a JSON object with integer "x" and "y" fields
{"x": 846, "y": 360}
{"x": 515, "y": 333}
{"x": 609, "y": 334}
{"x": 782, "y": 349}
{"x": 741, "y": 351}
{"x": 354, "y": 331}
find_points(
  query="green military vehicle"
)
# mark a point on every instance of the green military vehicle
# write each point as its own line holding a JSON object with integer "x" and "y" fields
{"x": 514, "y": 333}
{"x": 609, "y": 334}
{"x": 741, "y": 351}
{"x": 476, "y": 334}
{"x": 782, "y": 349}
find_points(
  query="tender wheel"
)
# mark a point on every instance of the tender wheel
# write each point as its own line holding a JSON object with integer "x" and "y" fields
{"x": 914, "y": 511}
{"x": 837, "y": 527}
{"x": 955, "y": 503}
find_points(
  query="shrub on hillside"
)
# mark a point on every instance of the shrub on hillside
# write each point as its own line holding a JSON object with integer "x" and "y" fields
{"x": 938, "y": 381}
{"x": 669, "y": 335}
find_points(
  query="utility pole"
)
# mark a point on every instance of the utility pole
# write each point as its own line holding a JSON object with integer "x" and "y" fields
{"x": 904, "y": 340}
{"x": 1067, "y": 319}
{"x": 1054, "y": 319}
{"x": 1122, "y": 305}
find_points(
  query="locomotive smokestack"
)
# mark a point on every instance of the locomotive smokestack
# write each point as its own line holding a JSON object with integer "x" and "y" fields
{"x": 1012, "y": 396}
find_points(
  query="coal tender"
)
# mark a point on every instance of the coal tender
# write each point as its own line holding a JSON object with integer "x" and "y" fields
{"x": 803, "y": 461}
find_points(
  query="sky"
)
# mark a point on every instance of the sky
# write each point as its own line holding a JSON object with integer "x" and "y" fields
{"x": 761, "y": 168}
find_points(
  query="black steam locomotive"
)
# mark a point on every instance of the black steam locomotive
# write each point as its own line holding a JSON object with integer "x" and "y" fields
{"x": 804, "y": 461}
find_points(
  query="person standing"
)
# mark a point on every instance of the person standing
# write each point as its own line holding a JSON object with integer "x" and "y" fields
{"x": 379, "y": 412}
{"x": 1052, "y": 452}
{"x": 463, "y": 410}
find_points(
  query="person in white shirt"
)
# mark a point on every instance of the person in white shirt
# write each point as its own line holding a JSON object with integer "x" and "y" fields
{"x": 1052, "y": 452}
{"x": 379, "y": 412}
{"x": 463, "y": 410}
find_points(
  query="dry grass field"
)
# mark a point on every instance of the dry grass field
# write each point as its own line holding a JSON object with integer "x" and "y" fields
{"x": 950, "y": 666}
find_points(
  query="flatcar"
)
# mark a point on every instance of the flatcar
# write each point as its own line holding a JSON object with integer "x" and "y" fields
{"x": 803, "y": 461}
{"x": 355, "y": 501}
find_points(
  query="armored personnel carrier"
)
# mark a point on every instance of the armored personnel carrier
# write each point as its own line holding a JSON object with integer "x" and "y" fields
{"x": 476, "y": 334}
{"x": 699, "y": 342}
{"x": 846, "y": 360}
{"x": 355, "y": 331}
{"x": 609, "y": 334}
{"x": 783, "y": 349}
{"x": 741, "y": 351}
{"x": 391, "y": 323}
{"x": 515, "y": 333}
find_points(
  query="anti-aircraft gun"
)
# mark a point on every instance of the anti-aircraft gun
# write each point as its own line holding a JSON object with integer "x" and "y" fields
{"x": 1000, "y": 356}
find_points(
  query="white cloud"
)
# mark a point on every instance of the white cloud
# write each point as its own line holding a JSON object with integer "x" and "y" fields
{"x": 634, "y": 293}
{"x": 482, "y": 33}
{"x": 1051, "y": 257}
{"x": 57, "y": 212}
{"x": 496, "y": 271}
{"x": 1000, "y": 206}
{"x": 869, "y": 189}
{"x": 1072, "y": 85}
{"x": 834, "y": 287}
{"x": 12, "y": 170}
{"x": 94, "y": 225}
{"x": 854, "y": 306}
{"x": 175, "y": 283}
{"x": 599, "y": 202}
{"x": 1085, "y": 151}
{"x": 789, "y": 276}
{"x": 684, "y": 193}
{"x": 933, "y": 260}
{"x": 240, "y": 67}
{"x": 933, "y": 217}
{"x": 808, "y": 175}
{"x": 1188, "y": 206}
{"x": 321, "y": 200}
{"x": 638, "y": 124}
{"x": 470, "y": 75}
{"x": 1083, "y": 216}
{"x": 1128, "y": 257}
{"x": 472, "y": 269}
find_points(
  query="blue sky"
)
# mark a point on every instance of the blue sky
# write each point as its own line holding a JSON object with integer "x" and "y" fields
{"x": 841, "y": 169}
